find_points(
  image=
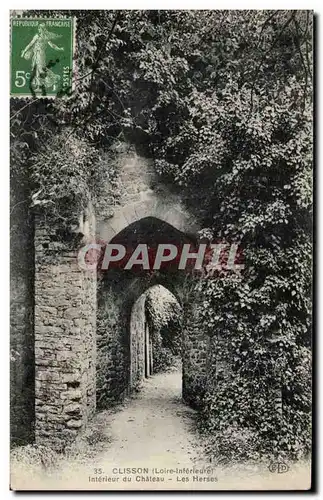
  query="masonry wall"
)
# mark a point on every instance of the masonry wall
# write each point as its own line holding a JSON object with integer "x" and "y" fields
{"x": 121, "y": 337}
{"x": 137, "y": 342}
{"x": 141, "y": 194}
{"x": 113, "y": 349}
{"x": 22, "y": 363}
{"x": 121, "y": 342}
{"x": 65, "y": 331}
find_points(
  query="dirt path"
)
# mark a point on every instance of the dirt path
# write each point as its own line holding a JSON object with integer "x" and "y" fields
{"x": 150, "y": 442}
{"x": 154, "y": 428}
{"x": 150, "y": 433}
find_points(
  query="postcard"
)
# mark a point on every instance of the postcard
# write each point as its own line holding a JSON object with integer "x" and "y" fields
{"x": 161, "y": 249}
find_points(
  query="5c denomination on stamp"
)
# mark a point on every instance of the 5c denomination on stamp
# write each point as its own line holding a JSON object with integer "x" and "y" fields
{"x": 41, "y": 56}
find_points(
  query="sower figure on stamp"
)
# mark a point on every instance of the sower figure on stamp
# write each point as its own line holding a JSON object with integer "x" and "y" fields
{"x": 36, "y": 50}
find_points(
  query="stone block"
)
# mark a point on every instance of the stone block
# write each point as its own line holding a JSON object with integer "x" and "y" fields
{"x": 71, "y": 313}
{"x": 71, "y": 395}
{"x": 74, "y": 424}
{"x": 70, "y": 377}
{"x": 73, "y": 409}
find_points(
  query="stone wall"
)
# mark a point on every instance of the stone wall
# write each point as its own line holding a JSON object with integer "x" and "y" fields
{"x": 113, "y": 349}
{"x": 142, "y": 195}
{"x": 65, "y": 339}
{"x": 138, "y": 342}
{"x": 22, "y": 363}
{"x": 121, "y": 337}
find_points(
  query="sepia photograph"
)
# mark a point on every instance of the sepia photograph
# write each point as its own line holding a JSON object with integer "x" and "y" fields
{"x": 161, "y": 250}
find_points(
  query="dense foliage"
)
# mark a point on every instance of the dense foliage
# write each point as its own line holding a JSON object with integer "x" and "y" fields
{"x": 164, "y": 316}
{"x": 223, "y": 100}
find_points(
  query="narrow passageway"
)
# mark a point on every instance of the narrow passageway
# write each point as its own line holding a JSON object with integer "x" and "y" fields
{"x": 156, "y": 427}
{"x": 134, "y": 445}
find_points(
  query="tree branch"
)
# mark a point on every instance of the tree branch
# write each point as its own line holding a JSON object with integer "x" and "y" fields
{"x": 286, "y": 24}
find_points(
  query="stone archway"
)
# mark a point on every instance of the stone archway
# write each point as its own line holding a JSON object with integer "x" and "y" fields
{"x": 118, "y": 292}
{"x": 79, "y": 366}
{"x": 69, "y": 342}
{"x": 143, "y": 195}
{"x": 166, "y": 210}
{"x": 149, "y": 345}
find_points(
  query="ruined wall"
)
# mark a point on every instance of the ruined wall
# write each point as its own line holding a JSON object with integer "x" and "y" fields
{"x": 120, "y": 337}
{"x": 82, "y": 336}
{"x": 65, "y": 331}
{"x": 137, "y": 342}
{"x": 113, "y": 349}
{"x": 22, "y": 367}
{"x": 141, "y": 194}
{"x": 121, "y": 341}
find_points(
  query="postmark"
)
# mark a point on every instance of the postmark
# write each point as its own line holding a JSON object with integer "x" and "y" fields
{"x": 42, "y": 51}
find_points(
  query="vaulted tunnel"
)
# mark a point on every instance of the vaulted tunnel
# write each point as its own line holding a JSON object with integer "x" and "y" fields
{"x": 121, "y": 304}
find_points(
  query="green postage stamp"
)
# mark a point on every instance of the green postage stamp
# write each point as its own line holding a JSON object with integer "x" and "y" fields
{"x": 41, "y": 56}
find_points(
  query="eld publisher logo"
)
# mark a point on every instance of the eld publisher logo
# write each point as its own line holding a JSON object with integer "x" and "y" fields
{"x": 278, "y": 467}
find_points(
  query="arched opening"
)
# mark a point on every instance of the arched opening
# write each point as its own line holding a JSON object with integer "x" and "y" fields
{"x": 122, "y": 296}
{"x": 155, "y": 335}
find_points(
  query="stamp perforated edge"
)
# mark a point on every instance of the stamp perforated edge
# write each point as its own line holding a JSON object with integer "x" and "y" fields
{"x": 12, "y": 16}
